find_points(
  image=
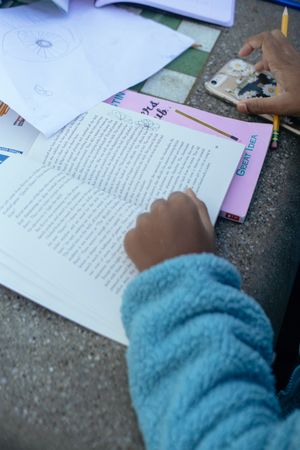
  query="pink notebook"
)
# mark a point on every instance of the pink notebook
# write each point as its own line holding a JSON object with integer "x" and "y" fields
{"x": 255, "y": 136}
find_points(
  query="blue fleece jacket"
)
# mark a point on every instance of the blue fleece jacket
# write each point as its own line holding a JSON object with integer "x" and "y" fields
{"x": 199, "y": 360}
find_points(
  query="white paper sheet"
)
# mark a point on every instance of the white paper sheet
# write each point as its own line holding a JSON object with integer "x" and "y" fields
{"x": 54, "y": 66}
{"x": 63, "y": 4}
{"x": 220, "y": 12}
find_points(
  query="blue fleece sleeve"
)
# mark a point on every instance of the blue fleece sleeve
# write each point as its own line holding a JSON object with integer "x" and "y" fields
{"x": 199, "y": 360}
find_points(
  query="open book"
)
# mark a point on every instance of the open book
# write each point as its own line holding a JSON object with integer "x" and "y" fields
{"x": 255, "y": 136}
{"x": 66, "y": 205}
{"x": 220, "y": 12}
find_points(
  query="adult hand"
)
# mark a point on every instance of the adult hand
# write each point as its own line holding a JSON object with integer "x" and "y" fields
{"x": 173, "y": 227}
{"x": 283, "y": 61}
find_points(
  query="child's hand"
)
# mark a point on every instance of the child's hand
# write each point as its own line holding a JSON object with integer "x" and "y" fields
{"x": 280, "y": 58}
{"x": 173, "y": 227}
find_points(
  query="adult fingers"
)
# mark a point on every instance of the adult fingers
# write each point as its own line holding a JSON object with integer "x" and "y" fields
{"x": 253, "y": 43}
{"x": 262, "y": 65}
{"x": 280, "y": 104}
{"x": 270, "y": 41}
{"x": 246, "y": 50}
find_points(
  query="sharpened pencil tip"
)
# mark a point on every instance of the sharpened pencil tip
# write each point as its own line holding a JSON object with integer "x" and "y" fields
{"x": 285, "y": 11}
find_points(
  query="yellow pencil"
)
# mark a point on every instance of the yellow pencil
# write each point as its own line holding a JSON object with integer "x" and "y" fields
{"x": 3, "y": 109}
{"x": 276, "y": 120}
{"x": 224, "y": 133}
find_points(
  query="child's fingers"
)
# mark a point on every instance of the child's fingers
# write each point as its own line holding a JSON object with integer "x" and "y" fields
{"x": 280, "y": 104}
{"x": 129, "y": 241}
{"x": 190, "y": 193}
{"x": 158, "y": 206}
{"x": 202, "y": 210}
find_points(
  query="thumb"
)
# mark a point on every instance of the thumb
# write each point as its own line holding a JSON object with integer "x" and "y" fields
{"x": 279, "y": 104}
{"x": 202, "y": 210}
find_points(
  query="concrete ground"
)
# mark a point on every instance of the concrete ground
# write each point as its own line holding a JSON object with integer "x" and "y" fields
{"x": 65, "y": 388}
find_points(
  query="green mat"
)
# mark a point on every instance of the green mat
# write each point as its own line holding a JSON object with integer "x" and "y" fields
{"x": 176, "y": 80}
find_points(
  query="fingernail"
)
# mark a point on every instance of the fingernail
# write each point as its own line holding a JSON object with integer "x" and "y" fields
{"x": 190, "y": 192}
{"x": 242, "y": 107}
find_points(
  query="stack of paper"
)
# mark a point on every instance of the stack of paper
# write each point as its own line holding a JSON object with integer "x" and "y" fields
{"x": 55, "y": 66}
{"x": 220, "y": 12}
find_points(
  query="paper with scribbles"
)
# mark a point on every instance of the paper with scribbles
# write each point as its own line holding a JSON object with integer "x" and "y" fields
{"x": 55, "y": 66}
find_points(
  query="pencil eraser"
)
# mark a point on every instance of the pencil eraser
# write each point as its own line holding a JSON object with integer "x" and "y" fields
{"x": 274, "y": 145}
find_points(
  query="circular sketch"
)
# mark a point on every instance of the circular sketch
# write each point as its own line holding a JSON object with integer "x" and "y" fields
{"x": 146, "y": 123}
{"x": 38, "y": 45}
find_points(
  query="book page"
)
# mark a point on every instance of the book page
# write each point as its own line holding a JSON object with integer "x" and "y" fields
{"x": 70, "y": 235}
{"x": 63, "y": 4}
{"x": 18, "y": 277}
{"x": 255, "y": 136}
{"x": 139, "y": 159}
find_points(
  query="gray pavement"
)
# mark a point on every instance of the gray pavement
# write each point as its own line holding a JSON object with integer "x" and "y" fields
{"x": 65, "y": 388}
